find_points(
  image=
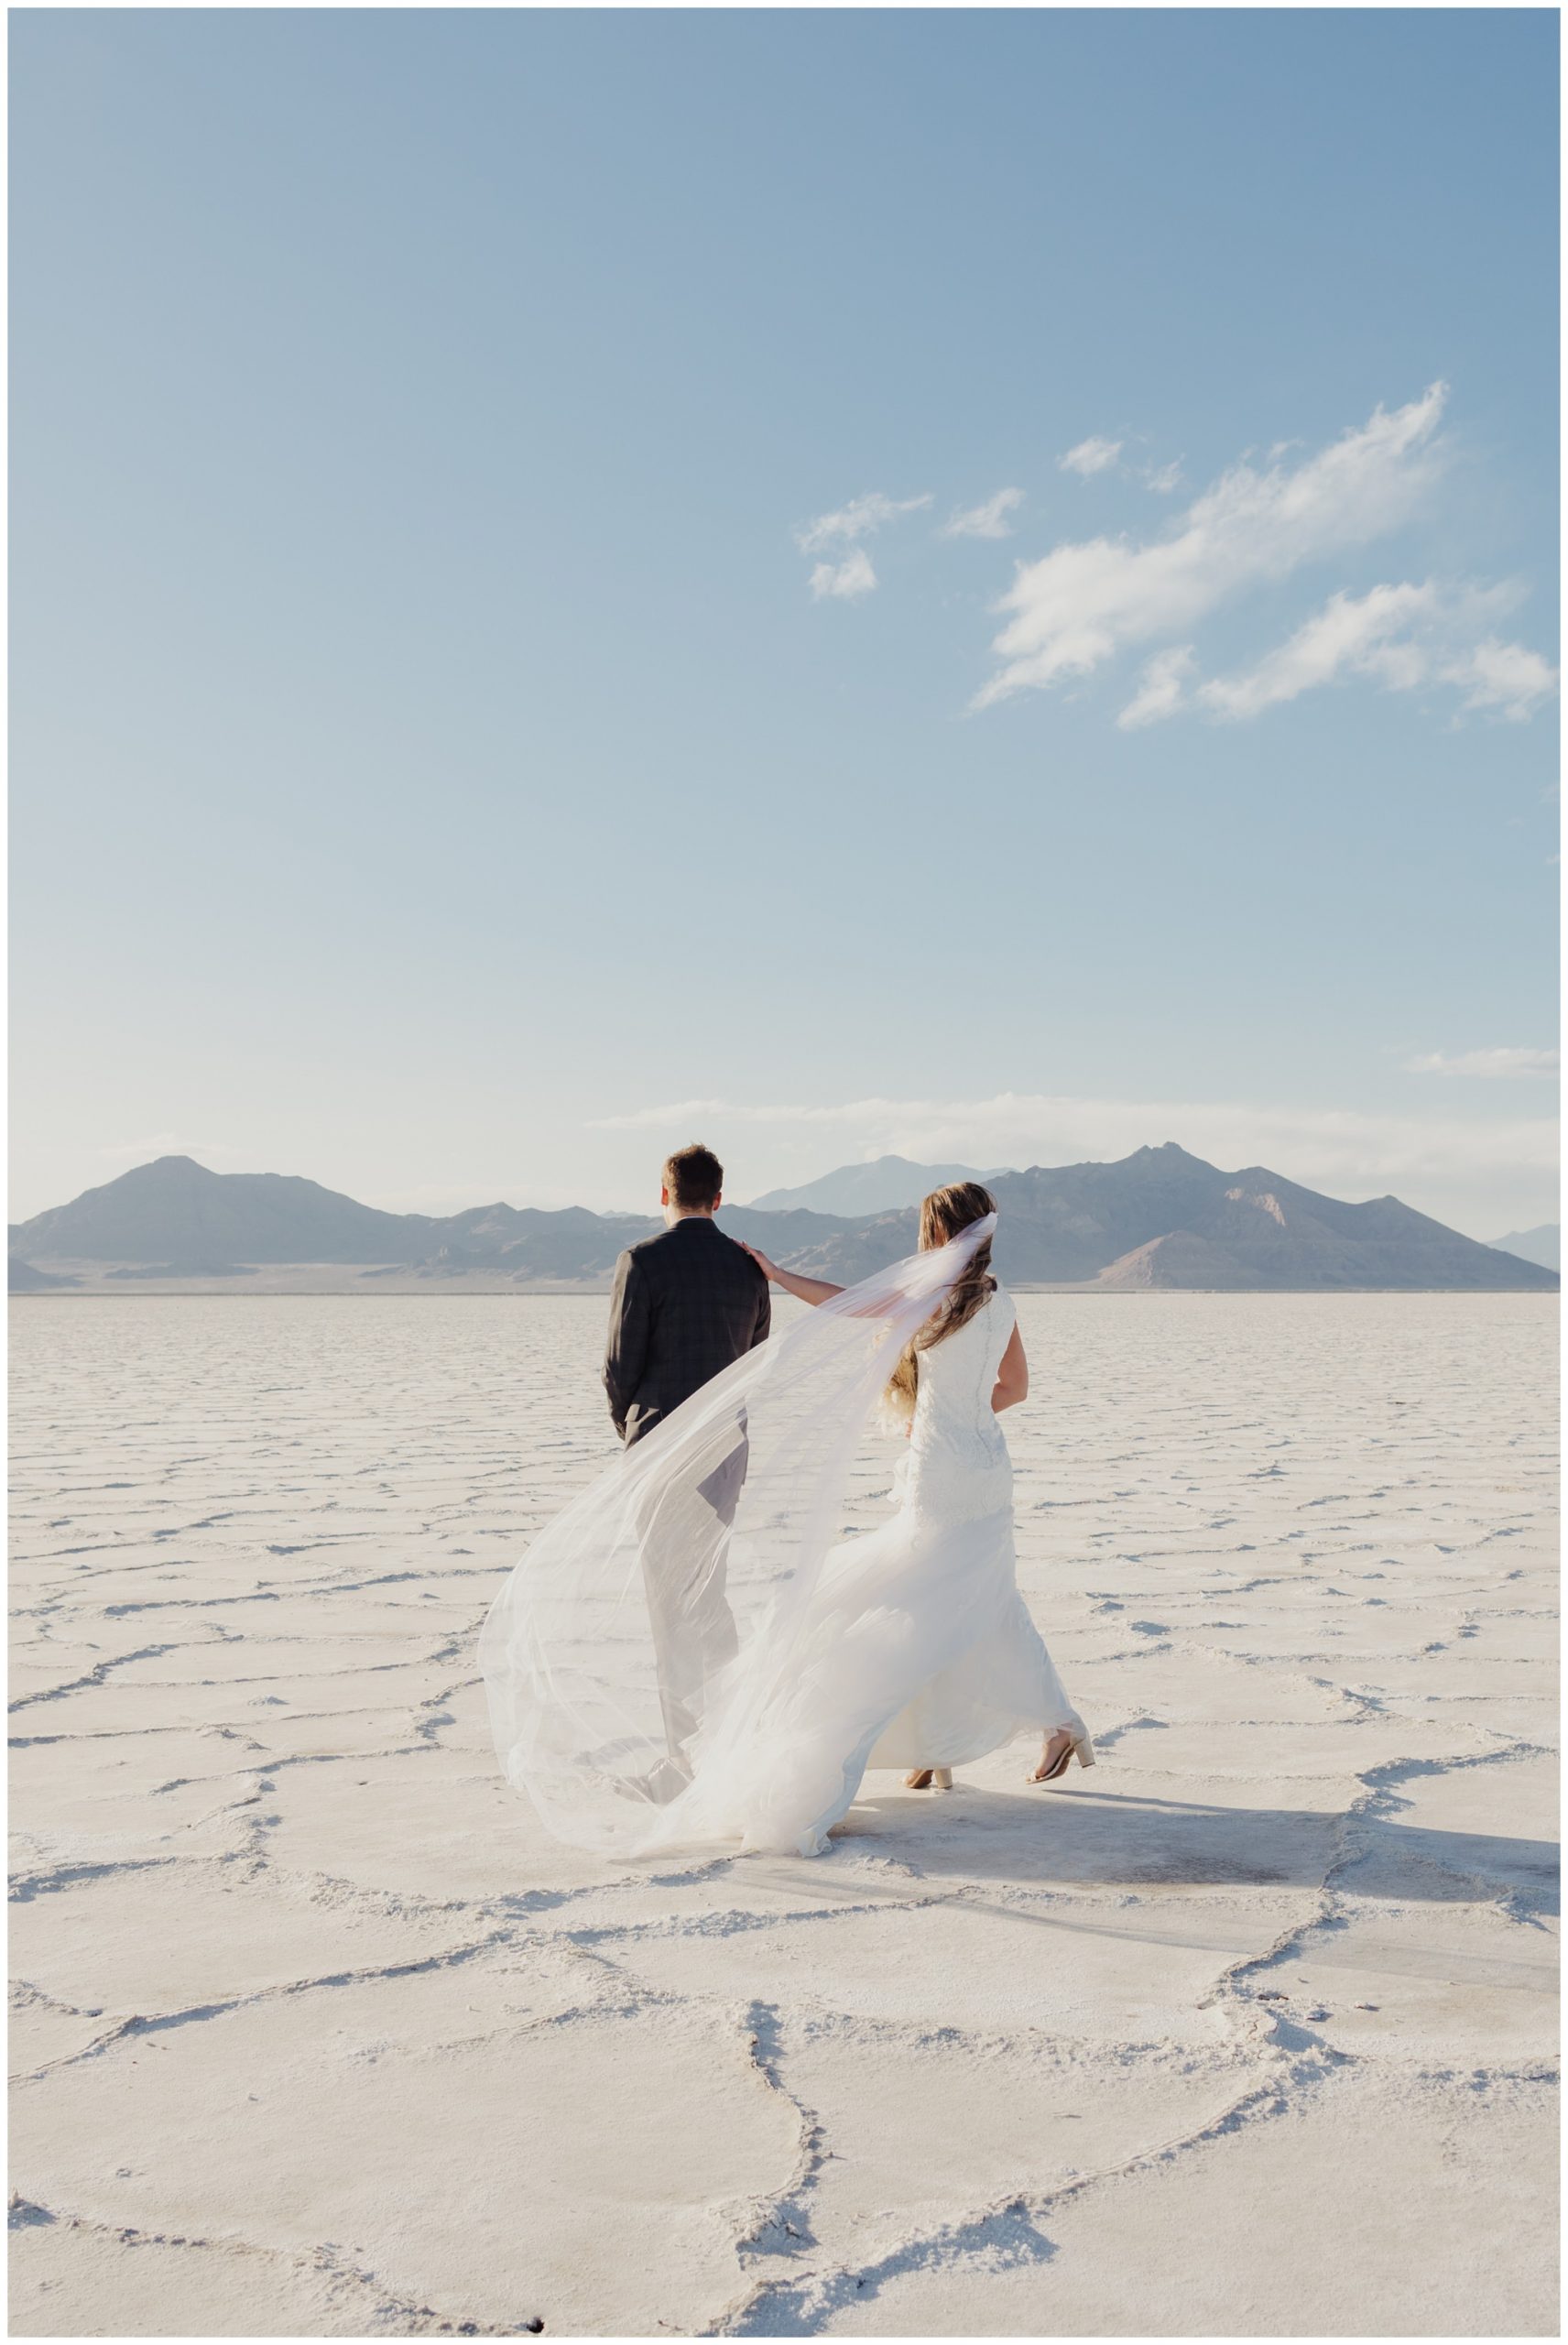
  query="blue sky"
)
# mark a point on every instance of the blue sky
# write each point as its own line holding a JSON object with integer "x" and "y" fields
{"x": 521, "y": 654}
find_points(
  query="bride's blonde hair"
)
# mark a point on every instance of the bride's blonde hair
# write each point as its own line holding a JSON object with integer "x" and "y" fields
{"x": 943, "y": 1215}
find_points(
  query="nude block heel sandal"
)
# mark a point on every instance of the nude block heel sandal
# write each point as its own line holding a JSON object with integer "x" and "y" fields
{"x": 1082, "y": 1749}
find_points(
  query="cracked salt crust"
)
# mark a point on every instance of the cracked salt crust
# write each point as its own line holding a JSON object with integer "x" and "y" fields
{"x": 316, "y": 2032}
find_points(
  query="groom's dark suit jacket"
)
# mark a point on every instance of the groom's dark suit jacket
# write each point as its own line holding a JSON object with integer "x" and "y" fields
{"x": 686, "y": 1303}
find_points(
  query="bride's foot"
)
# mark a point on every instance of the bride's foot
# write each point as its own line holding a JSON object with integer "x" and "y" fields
{"x": 1057, "y": 1755}
{"x": 930, "y": 1779}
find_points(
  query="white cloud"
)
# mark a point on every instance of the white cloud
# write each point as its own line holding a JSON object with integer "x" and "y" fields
{"x": 1162, "y": 690}
{"x": 987, "y": 520}
{"x": 1344, "y": 1152}
{"x": 849, "y": 575}
{"x": 846, "y": 579}
{"x": 1500, "y": 1063}
{"x": 1081, "y": 604}
{"x": 1504, "y": 676}
{"x": 1403, "y": 637}
{"x": 1092, "y": 455}
{"x": 1088, "y": 602}
{"x": 861, "y": 517}
{"x": 1350, "y": 632}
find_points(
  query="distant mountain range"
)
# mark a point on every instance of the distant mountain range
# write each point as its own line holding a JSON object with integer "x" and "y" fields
{"x": 1163, "y": 1218}
{"x": 1542, "y": 1245}
{"x": 1159, "y": 1219}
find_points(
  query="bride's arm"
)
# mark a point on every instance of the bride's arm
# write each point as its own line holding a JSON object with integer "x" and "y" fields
{"x": 811, "y": 1291}
{"x": 1012, "y": 1375}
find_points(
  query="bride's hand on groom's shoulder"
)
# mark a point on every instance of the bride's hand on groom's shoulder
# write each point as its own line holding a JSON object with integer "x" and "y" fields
{"x": 769, "y": 1270}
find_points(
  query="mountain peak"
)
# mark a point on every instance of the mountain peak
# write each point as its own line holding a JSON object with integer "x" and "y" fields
{"x": 886, "y": 1185}
{"x": 175, "y": 1210}
{"x": 1166, "y": 1156}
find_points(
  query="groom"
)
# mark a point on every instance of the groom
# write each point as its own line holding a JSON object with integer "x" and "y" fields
{"x": 686, "y": 1303}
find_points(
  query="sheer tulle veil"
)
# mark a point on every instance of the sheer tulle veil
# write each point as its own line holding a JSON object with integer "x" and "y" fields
{"x": 643, "y": 1649}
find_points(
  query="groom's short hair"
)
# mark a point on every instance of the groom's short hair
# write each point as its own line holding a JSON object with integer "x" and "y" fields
{"x": 693, "y": 1176}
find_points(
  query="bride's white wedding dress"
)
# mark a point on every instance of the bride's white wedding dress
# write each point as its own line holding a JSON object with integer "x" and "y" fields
{"x": 917, "y": 1651}
{"x": 993, "y": 1678}
{"x": 663, "y": 1677}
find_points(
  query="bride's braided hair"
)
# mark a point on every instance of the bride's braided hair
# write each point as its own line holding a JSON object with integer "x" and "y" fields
{"x": 943, "y": 1214}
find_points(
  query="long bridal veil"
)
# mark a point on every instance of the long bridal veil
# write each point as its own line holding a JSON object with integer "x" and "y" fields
{"x": 645, "y": 1647}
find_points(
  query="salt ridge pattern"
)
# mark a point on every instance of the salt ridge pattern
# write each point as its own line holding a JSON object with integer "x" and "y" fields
{"x": 1249, "y": 2032}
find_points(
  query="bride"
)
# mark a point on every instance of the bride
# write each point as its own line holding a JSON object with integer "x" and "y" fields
{"x": 690, "y": 1655}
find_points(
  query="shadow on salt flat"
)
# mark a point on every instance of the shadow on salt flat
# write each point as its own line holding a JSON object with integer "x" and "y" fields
{"x": 1136, "y": 1842}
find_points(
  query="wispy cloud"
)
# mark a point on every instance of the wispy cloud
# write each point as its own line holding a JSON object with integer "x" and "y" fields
{"x": 1403, "y": 637}
{"x": 1344, "y": 1151}
{"x": 1504, "y": 676}
{"x": 861, "y": 517}
{"x": 1504, "y": 1061}
{"x": 852, "y": 576}
{"x": 1081, "y": 604}
{"x": 1163, "y": 688}
{"x": 1100, "y": 455}
{"x": 1352, "y": 632}
{"x": 1090, "y": 456}
{"x": 1090, "y": 601}
{"x": 987, "y": 520}
{"x": 848, "y": 572}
